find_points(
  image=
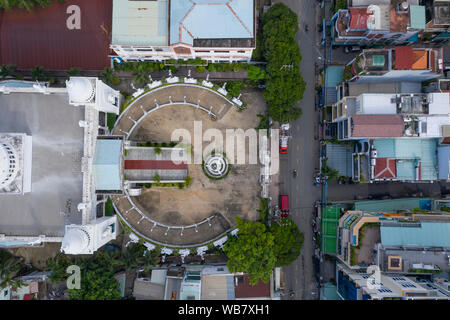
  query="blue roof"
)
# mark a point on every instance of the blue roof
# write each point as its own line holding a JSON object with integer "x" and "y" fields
{"x": 417, "y": 17}
{"x": 444, "y": 162}
{"x": 392, "y": 205}
{"x": 140, "y": 23}
{"x": 107, "y": 164}
{"x": 428, "y": 234}
{"x": 409, "y": 151}
{"x": 210, "y": 19}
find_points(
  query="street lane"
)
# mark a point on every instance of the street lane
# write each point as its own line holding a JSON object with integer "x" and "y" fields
{"x": 302, "y": 156}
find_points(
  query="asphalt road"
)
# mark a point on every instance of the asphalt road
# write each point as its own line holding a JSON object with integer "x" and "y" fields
{"x": 302, "y": 156}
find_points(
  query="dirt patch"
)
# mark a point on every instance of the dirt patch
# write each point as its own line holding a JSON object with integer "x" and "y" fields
{"x": 235, "y": 195}
{"x": 371, "y": 236}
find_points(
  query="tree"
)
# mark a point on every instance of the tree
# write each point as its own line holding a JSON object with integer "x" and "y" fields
{"x": 288, "y": 241}
{"x": 284, "y": 85}
{"x": 234, "y": 88}
{"x": 151, "y": 259}
{"x": 38, "y": 73}
{"x": 252, "y": 251}
{"x": 7, "y": 71}
{"x": 255, "y": 73}
{"x": 132, "y": 257}
{"x": 9, "y": 268}
{"x": 327, "y": 171}
{"x": 72, "y": 72}
{"x": 58, "y": 266}
{"x": 96, "y": 284}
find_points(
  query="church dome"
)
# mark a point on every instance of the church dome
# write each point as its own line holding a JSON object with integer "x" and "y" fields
{"x": 76, "y": 241}
{"x": 80, "y": 89}
{"x": 9, "y": 164}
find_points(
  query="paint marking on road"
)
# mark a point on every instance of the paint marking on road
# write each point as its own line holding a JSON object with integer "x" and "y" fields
{"x": 298, "y": 147}
{"x": 298, "y": 161}
{"x": 297, "y": 188}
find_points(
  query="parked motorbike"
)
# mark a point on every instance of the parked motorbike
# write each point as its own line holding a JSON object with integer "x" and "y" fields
{"x": 295, "y": 173}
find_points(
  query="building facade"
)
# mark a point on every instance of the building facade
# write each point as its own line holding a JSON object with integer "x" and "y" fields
{"x": 216, "y": 31}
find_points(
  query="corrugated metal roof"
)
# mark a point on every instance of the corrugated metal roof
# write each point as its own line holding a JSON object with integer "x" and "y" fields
{"x": 392, "y": 205}
{"x": 417, "y": 17}
{"x": 444, "y": 162}
{"x": 340, "y": 158}
{"x": 411, "y": 148}
{"x": 107, "y": 164}
{"x": 144, "y": 23}
{"x": 428, "y": 234}
{"x": 43, "y": 37}
{"x": 210, "y": 19}
{"x": 377, "y": 126}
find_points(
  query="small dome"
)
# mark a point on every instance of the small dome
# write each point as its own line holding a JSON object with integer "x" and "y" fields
{"x": 9, "y": 164}
{"x": 76, "y": 241}
{"x": 80, "y": 89}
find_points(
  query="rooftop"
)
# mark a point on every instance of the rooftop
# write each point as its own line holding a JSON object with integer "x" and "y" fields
{"x": 441, "y": 12}
{"x": 410, "y": 154}
{"x": 57, "y": 148}
{"x": 210, "y": 19}
{"x": 444, "y": 162}
{"x": 427, "y": 234}
{"x": 393, "y": 205}
{"x": 243, "y": 289}
{"x": 377, "y": 126}
{"x": 43, "y": 36}
{"x": 107, "y": 161}
{"x": 144, "y": 23}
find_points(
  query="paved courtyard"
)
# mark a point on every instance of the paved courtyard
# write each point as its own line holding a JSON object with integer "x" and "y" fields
{"x": 235, "y": 195}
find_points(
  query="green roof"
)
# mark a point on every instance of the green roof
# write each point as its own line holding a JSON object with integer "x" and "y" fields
{"x": 417, "y": 17}
{"x": 330, "y": 221}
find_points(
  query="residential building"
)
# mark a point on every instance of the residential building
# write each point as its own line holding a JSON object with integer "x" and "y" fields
{"x": 438, "y": 21}
{"x": 202, "y": 282}
{"x": 33, "y": 286}
{"x": 360, "y": 285}
{"x": 373, "y": 22}
{"x": 401, "y": 63}
{"x": 372, "y": 115}
{"x": 53, "y": 195}
{"x": 213, "y": 30}
{"x": 401, "y": 243}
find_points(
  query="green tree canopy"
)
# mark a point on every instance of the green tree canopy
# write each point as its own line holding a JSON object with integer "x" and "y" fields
{"x": 9, "y": 268}
{"x": 252, "y": 251}
{"x": 288, "y": 241}
{"x": 284, "y": 85}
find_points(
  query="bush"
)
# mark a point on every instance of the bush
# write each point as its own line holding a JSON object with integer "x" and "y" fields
{"x": 255, "y": 73}
{"x": 234, "y": 88}
{"x": 200, "y": 69}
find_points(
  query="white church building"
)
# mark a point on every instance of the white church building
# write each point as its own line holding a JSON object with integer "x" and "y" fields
{"x": 48, "y": 164}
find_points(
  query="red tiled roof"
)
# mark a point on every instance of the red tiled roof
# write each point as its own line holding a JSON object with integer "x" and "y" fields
{"x": 243, "y": 289}
{"x": 42, "y": 36}
{"x": 154, "y": 165}
{"x": 358, "y": 18}
{"x": 385, "y": 168}
{"x": 404, "y": 58}
{"x": 377, "y": 126}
